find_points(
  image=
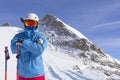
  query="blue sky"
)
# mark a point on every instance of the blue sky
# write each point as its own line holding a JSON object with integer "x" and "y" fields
{"x": 98, "y": 20}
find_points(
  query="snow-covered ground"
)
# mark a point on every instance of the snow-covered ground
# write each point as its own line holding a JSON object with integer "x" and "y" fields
{"x": 6, "y": 34}
{"x": 59, "y": 63}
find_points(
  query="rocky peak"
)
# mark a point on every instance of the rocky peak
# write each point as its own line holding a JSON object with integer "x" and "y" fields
{"x": 57, "y": 25}
{"x": 59, "y": 33}
{"x": 6, "y": 24}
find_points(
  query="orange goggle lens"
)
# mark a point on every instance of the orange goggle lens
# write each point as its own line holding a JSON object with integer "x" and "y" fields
{"x": 31, "y": 23}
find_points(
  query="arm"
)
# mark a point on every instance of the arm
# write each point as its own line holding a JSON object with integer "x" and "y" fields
{"x": 13, "y": 44}
{"x": 35, "y": 48}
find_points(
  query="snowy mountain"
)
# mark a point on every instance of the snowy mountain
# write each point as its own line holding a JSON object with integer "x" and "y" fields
{"x": 69, "y": 55}
{"x": 86, "y": 60}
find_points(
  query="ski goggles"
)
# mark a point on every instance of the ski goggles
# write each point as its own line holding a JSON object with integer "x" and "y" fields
{"x": 30, "y": 23}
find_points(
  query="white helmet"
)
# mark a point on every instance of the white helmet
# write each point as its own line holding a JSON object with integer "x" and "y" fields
{"x": 32, "y": 16}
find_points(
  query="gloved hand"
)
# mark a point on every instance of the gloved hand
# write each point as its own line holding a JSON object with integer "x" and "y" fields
{"x": 19, "y": 41}
{"x": 40, "y": 41}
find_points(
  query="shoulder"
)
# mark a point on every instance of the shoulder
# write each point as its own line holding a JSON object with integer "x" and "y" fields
{"x": 42, "y": 35}
{"x": 19, "y": 34}
{"x": 39, "y": 34}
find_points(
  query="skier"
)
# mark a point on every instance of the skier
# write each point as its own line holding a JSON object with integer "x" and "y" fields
{"x": 32, "y": 44}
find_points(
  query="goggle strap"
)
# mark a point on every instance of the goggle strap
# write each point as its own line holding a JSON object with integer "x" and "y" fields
{"x": 22, "y": 20}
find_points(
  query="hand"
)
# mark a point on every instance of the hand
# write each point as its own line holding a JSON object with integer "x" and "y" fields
{"x": 40, "y": 41}
{"x": 19, "y": 41}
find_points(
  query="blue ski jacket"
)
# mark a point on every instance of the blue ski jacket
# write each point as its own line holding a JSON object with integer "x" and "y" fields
{"x": 30, "y": 59}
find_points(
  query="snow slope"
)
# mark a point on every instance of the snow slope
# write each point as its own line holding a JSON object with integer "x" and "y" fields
{"x": 69, "y": 55}
{"x": 6, "y": 34}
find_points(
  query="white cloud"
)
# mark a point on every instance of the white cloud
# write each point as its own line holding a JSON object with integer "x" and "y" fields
{"x": 108, "y": 25}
